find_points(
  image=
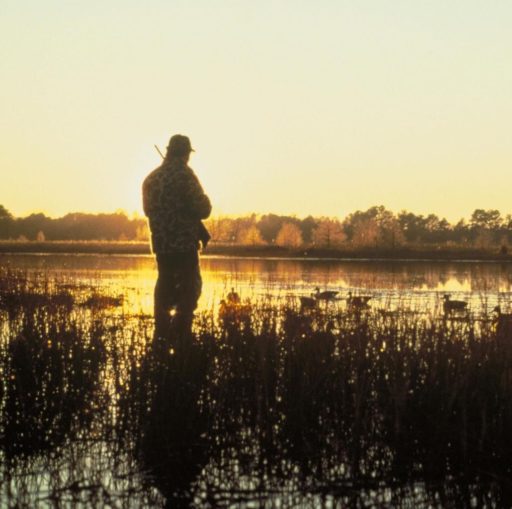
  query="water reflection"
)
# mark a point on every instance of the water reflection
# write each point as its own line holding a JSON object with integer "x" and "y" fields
{"x": 348, "y": 409}
{"x": 387, "y": 280}
{"x": 171, "y": 444}
{"x": 279, "y": 407}
{"x": 53, "y": 381}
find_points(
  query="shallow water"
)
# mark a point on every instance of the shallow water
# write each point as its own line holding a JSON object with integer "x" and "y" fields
{"x": 329, "y": 409}
{"x": 407, "y": 284}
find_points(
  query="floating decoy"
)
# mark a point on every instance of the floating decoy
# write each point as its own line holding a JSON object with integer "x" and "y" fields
{"x": 307, "y": 303}
{"x": 234, "y": 312}
{"x": 325, "y": 295}
{"x": 233, "y": 297}
{"x": 454, "y": 306}
{"x": 503, "y": 316}
{"x": 503, "y": 320}
{"x": 103, "y": 301}
{"x": 358, "y": 301}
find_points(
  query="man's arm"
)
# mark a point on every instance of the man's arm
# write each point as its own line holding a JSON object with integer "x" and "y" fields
{"x": 146, "y": 199}
{"x": 197, "y": 201}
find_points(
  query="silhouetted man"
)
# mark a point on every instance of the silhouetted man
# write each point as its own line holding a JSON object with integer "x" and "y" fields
{"x": 175, "y": 204}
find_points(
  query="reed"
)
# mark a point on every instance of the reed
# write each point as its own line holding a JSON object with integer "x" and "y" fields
{"x": 322, "y": 407}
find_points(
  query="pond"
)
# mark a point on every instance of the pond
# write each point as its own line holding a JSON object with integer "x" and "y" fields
{"x": 411, "y": 284}
{"x": 269, "y": 406}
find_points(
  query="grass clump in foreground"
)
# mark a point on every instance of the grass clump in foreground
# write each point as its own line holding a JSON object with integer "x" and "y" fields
{"x": 355, "y": 406}
{"x": 330, "y": 407}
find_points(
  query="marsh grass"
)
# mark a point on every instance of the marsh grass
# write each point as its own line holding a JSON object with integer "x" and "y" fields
{"x": 279, "y": 407}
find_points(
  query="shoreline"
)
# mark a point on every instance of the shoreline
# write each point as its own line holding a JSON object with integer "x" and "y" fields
{"x": 348, "y": 254}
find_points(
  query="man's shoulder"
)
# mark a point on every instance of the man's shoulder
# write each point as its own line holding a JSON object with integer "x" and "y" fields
{"x": 191, "y": 174}
{"x": 153, "y": 175}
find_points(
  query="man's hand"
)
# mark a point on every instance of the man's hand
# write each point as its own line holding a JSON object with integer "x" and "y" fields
{"x": 204, "y": 235}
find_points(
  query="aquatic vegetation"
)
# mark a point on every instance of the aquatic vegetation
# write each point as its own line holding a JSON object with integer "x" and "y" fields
{"x": 266, "y": 402}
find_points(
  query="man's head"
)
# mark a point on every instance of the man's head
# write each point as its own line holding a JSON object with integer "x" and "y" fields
{"x": 179, "y": 146}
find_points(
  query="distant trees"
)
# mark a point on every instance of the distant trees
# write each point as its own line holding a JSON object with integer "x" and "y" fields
{"x": 307, "y": 228}
{"x": 6, "y": 221}
{"x": 142, "y": 233}
{"x": 289, "y": 236}
{"x": 74, "y": 226}
{"x": 365, "y": 232}
{"x": 239, "y": 230}
{"x": 488, "y": 228}
{"x": 218, "y": 228}
{"x": 269, "y": 226}
{"x": 254, "y": 230}
{"x": 4, "y": 213}
{"x": 375, "y": 227}
{"x": 328, "y": 233}
{"x": 251, "y": 236}
{"x": 487, "y": 219}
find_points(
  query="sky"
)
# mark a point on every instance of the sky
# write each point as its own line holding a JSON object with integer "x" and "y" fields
{"x": 293, "y": 107}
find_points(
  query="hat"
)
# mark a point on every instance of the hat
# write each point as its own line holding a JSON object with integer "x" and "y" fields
{"x": 179, "y": 145}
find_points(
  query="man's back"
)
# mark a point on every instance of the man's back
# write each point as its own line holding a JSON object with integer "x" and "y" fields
{"x": 175, "y": 203}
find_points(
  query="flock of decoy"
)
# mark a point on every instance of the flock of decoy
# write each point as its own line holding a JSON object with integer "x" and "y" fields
{"x": 354, "y": 302}
{"x": 357, "y": 303}
{"x": 232, "y": 306}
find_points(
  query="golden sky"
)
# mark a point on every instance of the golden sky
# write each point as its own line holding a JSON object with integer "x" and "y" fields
{"x": 297, "y": 107}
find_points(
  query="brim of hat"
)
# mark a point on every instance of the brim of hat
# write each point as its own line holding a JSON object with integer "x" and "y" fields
{"x": 181, "y": 153}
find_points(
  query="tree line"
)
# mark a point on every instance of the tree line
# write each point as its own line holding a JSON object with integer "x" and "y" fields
{"x": 73, "y": 226}
{"x": 375, "y": 227}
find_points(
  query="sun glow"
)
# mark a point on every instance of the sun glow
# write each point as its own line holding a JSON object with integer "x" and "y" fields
{"x": 376, "y": 105}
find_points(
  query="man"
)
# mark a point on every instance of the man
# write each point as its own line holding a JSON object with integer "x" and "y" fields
{"x": 175, "y": 204}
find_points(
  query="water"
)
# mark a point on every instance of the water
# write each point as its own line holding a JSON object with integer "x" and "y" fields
{"x": 409, "y": 284}
{"x": 321, "y": 411}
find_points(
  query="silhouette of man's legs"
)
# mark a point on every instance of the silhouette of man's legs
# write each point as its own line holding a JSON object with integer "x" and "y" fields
{"x": 178, "y": 287}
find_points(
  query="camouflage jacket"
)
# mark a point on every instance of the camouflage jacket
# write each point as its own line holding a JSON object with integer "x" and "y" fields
{"x": 174, "y": 203}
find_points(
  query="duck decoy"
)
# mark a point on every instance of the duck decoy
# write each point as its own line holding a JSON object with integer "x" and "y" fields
{"x": 358, "y": 301}
{"x": 233, "y": 297}
{"x": 503, "y": 316}
{"x": 453, "y": 306}
{"x": 234, "y": 312}
{"x": 325, "y": 295}
{"x": 503, "y": 321}
{"x": 307, "y": 303}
